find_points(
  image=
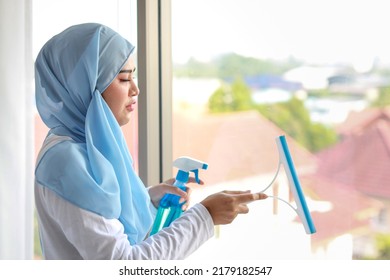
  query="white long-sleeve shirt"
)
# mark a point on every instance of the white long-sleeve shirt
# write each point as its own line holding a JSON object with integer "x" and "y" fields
{"x": 69, "y": 232}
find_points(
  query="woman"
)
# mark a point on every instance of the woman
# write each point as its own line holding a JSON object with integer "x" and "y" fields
{"x": 90, "y": 202}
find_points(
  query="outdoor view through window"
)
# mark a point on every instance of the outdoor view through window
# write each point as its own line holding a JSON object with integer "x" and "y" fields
{"x": 318, "y": 72}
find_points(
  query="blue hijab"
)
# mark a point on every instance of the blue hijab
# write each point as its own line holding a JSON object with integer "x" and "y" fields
{"x": 95, "y": 171}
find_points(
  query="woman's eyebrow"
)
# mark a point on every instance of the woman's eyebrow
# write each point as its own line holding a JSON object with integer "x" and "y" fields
{"x": 128, "y": 70}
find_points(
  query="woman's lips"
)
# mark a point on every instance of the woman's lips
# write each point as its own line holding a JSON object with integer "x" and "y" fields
{"x": 131, "y": 106}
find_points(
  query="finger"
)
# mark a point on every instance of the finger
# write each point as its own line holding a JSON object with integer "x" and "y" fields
{"x": 236, "y": 192}
{"x": 184, "y": 207}
{"x": 170, "y": 181}
{"x": 262, "y": 196}
{"x": 185, "y": 201}
{"x": 187, "y": 197}
{"x": 177, "y": 191}
{"x": 250, "y": 197}
{"x": 243, "y": 209}
{"x": 193, "y": 180}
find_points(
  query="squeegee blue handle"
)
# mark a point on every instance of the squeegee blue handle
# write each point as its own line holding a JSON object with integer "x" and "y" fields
{"x": 307, "y": 220}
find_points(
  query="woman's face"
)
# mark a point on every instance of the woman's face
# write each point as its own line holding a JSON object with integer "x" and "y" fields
{"x": 121, "y": 95}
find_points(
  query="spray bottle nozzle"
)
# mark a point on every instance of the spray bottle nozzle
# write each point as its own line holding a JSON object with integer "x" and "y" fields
{"x": 187, "y": 164}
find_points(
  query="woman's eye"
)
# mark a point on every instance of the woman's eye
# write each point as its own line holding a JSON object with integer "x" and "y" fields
{"x": 128, "y": 80}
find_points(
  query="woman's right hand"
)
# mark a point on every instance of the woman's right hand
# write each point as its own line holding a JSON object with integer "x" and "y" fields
{"x": 226, "y": 205}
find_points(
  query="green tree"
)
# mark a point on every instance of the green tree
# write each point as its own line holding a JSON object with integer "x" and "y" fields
{"x": 195, "y": 69}
{"x": 319, "y": 137}
{"x": 231, "y": 66}
{"x": 383, "y": 99}
{"x": 293, "y": 117}
{"x": 383, "y": 246}
{"x": 230, "y": 98}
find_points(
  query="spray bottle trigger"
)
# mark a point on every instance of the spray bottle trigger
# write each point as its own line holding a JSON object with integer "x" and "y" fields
{"x": 196, "y": 173}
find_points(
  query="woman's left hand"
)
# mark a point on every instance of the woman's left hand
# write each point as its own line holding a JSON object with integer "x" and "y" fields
{"x": 158, "y": 191}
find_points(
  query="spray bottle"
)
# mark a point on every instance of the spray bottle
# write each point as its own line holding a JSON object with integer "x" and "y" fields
{"x": 170, "y": 207}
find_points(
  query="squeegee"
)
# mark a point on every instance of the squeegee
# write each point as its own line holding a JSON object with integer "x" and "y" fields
{"x": 302, "y": 210}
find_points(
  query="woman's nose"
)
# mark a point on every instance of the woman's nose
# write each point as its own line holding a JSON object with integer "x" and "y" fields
{"x": 134, "y": 90}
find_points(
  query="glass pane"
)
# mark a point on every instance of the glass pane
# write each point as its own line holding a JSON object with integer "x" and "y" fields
{"x": 318, "y": 72}
{"x": 52, "y": 16}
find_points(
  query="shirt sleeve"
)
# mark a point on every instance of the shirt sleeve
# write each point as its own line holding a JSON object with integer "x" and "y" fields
{"x": 96, "y": 237}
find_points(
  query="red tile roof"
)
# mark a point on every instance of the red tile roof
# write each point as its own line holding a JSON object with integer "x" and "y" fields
{"x": 362, "y": 159}
{"x": 351, "y": 211}
{"x": 352, "y": 173}
{"x": 359, "y": 121}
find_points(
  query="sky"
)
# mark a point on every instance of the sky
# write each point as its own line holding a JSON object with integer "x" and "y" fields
{"x": 317, "y": 31}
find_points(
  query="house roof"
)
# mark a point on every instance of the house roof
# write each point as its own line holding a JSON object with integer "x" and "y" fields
{"x": 362, "y": 159}
{"x": 352, "y": 173}
{"x": 351, "y": 211}
{"x": 357, "y": 122}
{"x": 235, "y": 145}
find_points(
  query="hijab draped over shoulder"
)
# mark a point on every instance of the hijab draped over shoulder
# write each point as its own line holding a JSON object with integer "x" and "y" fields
{"x": 94, "y": 171}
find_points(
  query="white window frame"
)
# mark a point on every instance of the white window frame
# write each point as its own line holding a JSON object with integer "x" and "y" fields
{"x": 155, "y": 83}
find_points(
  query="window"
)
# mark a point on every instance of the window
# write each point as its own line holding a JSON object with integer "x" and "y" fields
{"x": 247, "y": 71}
